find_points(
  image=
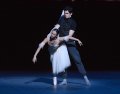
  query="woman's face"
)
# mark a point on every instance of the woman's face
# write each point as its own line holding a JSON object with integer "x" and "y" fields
{"x": 53, "y": 34}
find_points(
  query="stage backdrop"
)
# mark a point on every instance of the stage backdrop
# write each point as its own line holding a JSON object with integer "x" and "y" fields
{"x": 26, "y": 23}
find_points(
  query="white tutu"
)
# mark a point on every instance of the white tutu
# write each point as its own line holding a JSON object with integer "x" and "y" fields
{"x": 60, "y": 59}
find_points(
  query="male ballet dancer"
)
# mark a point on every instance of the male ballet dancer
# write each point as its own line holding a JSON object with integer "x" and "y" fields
{"x": 67, "y": 26}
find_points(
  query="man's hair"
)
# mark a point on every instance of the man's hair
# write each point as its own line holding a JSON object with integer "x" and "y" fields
{"x": 68, "y": 8}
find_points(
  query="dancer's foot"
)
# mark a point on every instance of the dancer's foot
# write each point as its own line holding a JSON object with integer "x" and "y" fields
{"x": 55, "y": 81}
{"x": 87, "y": 81}
{"x": 64, "y": 82}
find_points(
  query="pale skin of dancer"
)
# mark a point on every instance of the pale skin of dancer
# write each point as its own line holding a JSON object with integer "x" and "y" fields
{"x": 67, "y": 14}
{"x": 57, "y": 41}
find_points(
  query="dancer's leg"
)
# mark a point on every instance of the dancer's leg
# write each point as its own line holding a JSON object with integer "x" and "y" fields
{"x": 64, "y": 74}
{"x": 77, "y": 59}
{"x": 54, "y": 79}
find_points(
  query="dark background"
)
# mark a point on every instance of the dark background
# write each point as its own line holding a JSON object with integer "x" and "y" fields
{"x": 24, "y": 24}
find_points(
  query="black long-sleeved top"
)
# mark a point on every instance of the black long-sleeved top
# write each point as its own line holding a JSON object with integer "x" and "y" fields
{"x": 66, "y": 24}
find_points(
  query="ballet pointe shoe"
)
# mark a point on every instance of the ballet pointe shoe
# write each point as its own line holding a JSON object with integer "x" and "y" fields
{"x": 87, "y": 81}
{"x": 64, "y": 82}
{"x": 55, "y": 81}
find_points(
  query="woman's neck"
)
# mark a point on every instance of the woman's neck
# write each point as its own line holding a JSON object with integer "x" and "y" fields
{"x": 52, "y": 39}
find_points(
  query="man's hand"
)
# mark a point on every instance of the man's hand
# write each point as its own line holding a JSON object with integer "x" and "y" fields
{"x": 34, "y": 59}
{"x": 80, "y": 43}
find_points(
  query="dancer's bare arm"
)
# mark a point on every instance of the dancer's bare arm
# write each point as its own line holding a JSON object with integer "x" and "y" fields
{"x": 72, "y": 38}
{"x": 75, "y": 39}
{"x": 71, "y": 32}
{"x": 41, "y": 45}
{"x": 57, "y": 26}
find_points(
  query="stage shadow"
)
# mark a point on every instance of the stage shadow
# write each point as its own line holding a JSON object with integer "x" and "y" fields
{"x": 41, "y": 80}
{"x": 49, "y": 81}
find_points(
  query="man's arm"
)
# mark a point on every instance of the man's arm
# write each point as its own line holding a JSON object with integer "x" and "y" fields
{"x": 71, "y": 32}
{"x": 72, "y": 38}
{"x": 57, "y": 26}
{"x": 72, "y": 28}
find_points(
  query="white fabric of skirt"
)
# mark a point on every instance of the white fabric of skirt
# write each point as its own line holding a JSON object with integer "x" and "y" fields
{"x": 60, "y": 60}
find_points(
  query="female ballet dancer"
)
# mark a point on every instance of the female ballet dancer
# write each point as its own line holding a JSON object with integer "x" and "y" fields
{"x": 58, "y": 53}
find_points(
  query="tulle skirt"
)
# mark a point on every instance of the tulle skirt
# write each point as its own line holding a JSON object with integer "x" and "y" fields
{"x": 60, "y": 60}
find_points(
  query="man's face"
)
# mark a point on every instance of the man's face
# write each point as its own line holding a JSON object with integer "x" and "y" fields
{"x": 54, "y": 34}
{"x": 67, "y": 14}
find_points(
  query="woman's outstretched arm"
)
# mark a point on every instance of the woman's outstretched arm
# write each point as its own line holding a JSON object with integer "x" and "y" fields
{"x": 41, "y": 45}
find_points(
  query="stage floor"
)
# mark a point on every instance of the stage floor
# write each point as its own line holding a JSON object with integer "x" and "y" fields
{"x": 41, "y": 83}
